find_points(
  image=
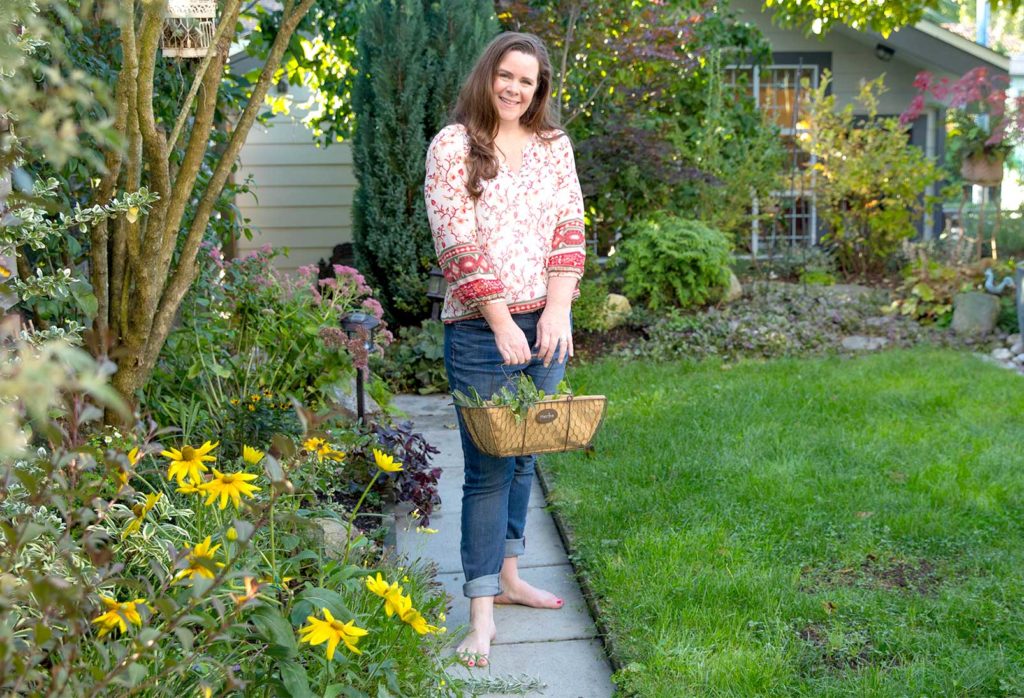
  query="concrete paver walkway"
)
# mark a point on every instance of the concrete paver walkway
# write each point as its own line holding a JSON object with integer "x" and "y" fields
{"x": 561, "y": 648}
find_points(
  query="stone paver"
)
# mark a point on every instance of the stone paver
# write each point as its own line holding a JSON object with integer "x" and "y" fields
{"x": 560, "y": 648}
{"x": 569, "y": 668}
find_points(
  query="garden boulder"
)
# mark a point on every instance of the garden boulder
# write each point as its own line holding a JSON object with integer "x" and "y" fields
{"x": 862, "y": 343}
{"x": 735, "y": 290}
{"x": 616, "y": 310}
{"x": 975, "y": 313}
{"x": 335, "y": 536}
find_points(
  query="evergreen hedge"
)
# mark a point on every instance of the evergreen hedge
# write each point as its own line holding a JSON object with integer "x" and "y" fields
{"x": 412, "y": 56}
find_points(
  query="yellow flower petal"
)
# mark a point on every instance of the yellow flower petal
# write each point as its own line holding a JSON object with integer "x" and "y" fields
{"x": 385, "y": 462}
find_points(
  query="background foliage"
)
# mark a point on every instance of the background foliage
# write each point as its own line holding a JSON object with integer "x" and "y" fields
{"x": 411, "y": 59}
{"x": 870, "y": 179}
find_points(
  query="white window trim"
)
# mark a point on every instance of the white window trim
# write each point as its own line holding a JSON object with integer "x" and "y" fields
{"x": 755, "y": 72}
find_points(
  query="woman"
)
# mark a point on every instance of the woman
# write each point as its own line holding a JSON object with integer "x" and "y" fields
{"x": 506, "y": 213}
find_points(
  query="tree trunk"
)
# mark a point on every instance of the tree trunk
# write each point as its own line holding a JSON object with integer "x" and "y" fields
{"x": 143, "y": 269}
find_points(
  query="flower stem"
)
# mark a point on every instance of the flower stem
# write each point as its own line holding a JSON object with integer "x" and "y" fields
{"x": 352, "y": 516}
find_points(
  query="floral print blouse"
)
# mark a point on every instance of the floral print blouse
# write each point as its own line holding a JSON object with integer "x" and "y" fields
{"x": 524, "y": 228}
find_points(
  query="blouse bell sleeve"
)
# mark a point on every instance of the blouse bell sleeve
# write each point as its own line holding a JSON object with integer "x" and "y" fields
{"x": 452, "y": 217}
{"x": 568, "y": 244}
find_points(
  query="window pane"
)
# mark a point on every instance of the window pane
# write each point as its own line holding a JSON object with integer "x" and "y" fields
{"x": 780, "y": 93}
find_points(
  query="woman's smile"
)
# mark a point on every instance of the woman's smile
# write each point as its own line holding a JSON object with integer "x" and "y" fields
{"x": 514, "y": 85}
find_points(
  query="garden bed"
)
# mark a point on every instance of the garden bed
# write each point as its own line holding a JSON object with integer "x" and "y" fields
{"x": 776, "y": 319}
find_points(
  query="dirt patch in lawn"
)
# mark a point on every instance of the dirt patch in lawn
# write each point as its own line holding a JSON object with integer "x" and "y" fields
{"x": 884, "y": 573}
{"x": 836, "y": 651}
{"x": 834, "y": 656}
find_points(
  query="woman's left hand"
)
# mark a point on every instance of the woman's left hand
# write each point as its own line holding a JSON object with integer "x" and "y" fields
{"x": 554, "y": 335}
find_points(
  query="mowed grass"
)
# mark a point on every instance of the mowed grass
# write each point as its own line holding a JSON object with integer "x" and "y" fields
{"x": 833, "y": 527}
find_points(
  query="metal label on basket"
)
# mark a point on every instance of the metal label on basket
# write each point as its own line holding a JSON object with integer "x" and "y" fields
{"x": 546, "y": 416}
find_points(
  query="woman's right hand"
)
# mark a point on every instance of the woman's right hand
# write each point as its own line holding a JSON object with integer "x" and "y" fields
{"x": 512, "y": 344}
{"x": 511, "y": 340}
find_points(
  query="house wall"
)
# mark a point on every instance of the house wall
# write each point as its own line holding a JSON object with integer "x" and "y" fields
{"x": 853, "y": 60}
{"x": 303, "y": 194}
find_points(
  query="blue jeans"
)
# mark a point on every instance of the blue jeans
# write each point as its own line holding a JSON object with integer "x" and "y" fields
{"x": 496, "y": 491}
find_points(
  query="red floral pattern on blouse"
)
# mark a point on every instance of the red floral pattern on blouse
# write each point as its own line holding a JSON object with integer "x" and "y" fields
{"x": 524, "y": 228}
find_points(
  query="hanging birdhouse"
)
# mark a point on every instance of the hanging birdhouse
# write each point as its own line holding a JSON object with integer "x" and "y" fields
{"x": 188, "y": 28}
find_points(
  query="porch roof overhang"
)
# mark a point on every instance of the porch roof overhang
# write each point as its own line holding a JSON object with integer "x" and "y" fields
{"x": 930, "y": 47}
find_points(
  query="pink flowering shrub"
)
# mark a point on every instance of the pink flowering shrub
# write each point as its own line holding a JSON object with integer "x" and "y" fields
{"x": 247, "y": 330}
{"x": 982, "y": 119}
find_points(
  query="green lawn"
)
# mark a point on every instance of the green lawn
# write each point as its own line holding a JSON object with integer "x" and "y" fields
{"x": 826, "y": 527}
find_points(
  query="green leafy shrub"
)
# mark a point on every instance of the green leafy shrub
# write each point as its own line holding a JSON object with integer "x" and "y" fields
{"x": 588, "y": 311}
{"x": 48, "y": 284}
{"x": 868, "y": 180}
{"x": 672, "y": 261}
{"x": 927, "y": 292}
{"x": 254, "y": 342}
{"x": 414, "y": 362}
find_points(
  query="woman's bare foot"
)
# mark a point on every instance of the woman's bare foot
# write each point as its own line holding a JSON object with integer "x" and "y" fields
{"x": 516, "y": 591}
{"x": 524, "y": 594}
{"x": 474, "y": 649}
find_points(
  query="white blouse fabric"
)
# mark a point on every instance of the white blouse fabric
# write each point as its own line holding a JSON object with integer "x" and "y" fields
{"x": 525, "y": 228}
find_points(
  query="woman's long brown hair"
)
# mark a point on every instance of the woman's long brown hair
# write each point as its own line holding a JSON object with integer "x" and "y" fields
{"x": 475, "y": 107}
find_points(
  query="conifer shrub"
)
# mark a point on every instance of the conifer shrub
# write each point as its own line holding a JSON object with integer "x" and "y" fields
{"x": 412, "y": 58}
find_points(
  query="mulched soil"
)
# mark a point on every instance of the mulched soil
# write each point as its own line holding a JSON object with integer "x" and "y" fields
{"x": 590, "y": 346}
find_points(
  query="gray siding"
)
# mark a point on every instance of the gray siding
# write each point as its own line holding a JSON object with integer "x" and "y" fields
{"x": 302, "y": 195}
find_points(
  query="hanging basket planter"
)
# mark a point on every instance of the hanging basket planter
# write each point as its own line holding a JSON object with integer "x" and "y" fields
{"x": 188, "y": 28}
{"x": 983, "y": 169}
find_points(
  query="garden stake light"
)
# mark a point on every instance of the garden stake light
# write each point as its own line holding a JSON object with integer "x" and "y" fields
{"x": 360, "y": 325}
{"x": 436, "y": 288}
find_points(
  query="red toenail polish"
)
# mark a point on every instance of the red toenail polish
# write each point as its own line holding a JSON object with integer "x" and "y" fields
{"x": 470, "y": 663}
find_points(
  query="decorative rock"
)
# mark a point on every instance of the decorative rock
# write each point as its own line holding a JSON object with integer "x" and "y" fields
{"x": 1002, "y": 354}
{"x": 975, "y": 313}
{"x": 616, "y": 310}
{"x": 880, "y": 321}
{"x": 735, "y": 290}
{"x": 861, "y": 343}
{"x": 345, "y": 397}
{"x": 1017, "y": 347}
{"x": 1014, "y": 338}
{"x": 335, "y": 536}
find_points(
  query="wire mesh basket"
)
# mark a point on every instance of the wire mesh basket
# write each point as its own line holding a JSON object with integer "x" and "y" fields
{"x": 562, "y": 424}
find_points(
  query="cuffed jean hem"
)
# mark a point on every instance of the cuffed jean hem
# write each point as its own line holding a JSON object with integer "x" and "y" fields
{"x": 488, "y": 585}
{"x": 514, "y": 547}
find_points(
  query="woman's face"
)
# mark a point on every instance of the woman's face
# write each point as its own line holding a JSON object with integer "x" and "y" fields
{"x": 515, "y": 84}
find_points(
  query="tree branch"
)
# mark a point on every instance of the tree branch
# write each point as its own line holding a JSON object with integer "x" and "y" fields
{"x": 574, "y": 15}
{"x": 186, "y": 108}
{"x": 588, "y": 101}
{"x": 100, "y": 233}
{"x": 126, "y": 111}
{"x": 198, "y": 143}
{"x": 154, "y": 146}
{"x": 183, "y": 275}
